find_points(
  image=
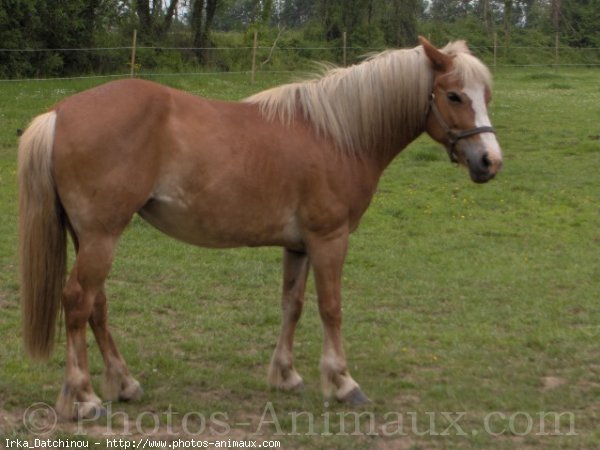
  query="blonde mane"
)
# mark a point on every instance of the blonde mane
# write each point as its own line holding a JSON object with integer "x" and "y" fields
{"x": 371, "y": 106}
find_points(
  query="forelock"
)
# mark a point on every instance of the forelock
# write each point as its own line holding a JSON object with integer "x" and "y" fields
{"x": 466, "y": 66}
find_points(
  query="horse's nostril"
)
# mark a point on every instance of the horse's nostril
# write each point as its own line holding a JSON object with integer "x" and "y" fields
{"x": 485, "y": 161}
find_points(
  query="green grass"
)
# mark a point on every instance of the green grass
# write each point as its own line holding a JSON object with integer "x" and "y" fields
{"x": 458, "y": 298}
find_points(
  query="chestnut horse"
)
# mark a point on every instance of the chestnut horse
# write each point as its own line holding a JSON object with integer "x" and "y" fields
{"x": 294, "y": 166}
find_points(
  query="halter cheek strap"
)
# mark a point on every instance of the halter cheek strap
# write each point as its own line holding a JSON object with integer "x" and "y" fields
{"x": 452, "y": 134}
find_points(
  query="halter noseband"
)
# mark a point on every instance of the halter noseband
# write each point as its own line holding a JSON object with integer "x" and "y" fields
{"x": 455, "y": 135}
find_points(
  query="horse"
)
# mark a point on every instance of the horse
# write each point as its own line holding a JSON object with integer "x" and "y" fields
{"x": 295, "y": 166}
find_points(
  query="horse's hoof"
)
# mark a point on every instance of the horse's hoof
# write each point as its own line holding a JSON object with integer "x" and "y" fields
{"x": 90, "y": 411}
{"x": 298, "y": 386}
{"x": 355, "y": 397}
{"x": 132, "y": 392}
{"x": 291, "y": 383}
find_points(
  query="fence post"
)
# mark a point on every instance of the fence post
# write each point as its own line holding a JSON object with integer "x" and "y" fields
{"x": 133, "y": 46}
{"x": 344, "y": 49}
{"x": 254, "y": 46}
{"x": 556, "y": 40}
{"x": 495, "y": 49}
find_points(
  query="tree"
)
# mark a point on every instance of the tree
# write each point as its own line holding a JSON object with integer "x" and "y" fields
{"x": 581, "y": 19}
{"x": 508, "y": 5}
{"x": 154, "y": 21}
{"x": 556, "y": 15}
{"x": 449, "y": 10}
{"x": 487, "y": 17}
{"x": 201, "y": 20}
{"x": 46, "y": 25}
{"x": 18, "y": 28}
{"x": 295, "y": 13}
{"x": 400, "y": 21}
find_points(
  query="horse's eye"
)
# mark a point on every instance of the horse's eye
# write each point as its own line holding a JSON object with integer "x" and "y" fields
{"x": 453, "y": 97}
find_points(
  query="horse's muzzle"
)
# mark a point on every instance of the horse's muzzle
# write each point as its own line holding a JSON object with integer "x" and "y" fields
{"x": 482, "y": 168}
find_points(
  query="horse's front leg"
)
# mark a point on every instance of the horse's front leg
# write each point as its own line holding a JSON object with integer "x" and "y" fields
{"x": 282, "y": 374}
{"x": 327, "y": 254}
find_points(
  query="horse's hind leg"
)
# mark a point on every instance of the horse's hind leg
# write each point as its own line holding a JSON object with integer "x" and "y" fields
{"x": 118, "y": 383}
{"x": 85, "y": 284}
{"x": 282, "y": 374}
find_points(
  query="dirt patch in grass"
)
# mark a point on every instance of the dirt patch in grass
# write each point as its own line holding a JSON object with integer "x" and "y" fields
{"x": 552, "y": 382}
{"x": 10, "y": 420}
{"x": 404, "y": 443}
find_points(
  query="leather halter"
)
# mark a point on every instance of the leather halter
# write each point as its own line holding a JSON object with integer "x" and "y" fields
{"x": 452, "y": 134}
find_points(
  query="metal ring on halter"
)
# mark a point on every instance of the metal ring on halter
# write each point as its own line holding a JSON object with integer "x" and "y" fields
{"x": 455, "y": 135}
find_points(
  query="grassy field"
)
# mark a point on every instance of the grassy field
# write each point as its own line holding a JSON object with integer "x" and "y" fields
{"x": 471, "y": 313}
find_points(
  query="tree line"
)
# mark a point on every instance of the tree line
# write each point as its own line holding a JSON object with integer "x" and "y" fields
{"x": 48, "y": 25}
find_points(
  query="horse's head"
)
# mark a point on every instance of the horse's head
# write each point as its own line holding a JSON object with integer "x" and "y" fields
{"x": 457, "y": 114}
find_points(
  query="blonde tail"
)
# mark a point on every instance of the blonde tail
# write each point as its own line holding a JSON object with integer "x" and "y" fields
{"x": 42, "y": 237}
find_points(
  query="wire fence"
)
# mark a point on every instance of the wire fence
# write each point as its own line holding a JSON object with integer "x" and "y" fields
{"x": 148, "y": 61}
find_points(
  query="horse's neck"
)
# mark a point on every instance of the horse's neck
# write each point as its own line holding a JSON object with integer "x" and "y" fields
{"x": 384, "y": 158}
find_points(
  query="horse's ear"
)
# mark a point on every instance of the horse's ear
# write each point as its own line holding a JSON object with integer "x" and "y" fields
{"x": 440, "y": 61}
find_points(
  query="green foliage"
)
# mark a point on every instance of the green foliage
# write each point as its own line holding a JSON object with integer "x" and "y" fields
{"x": 15, "y": 18}
{"x": 33, "y": 27}
{"x": 524, "y": 37}
{"x": 582, "y": 18}
{"x": 235, "y": 55}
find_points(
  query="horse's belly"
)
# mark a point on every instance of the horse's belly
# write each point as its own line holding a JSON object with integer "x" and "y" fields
{"x": 222, "y": 225}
